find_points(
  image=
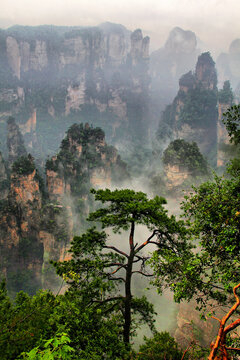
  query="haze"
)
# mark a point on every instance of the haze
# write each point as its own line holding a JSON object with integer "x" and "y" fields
{"x": 215, "y": 22}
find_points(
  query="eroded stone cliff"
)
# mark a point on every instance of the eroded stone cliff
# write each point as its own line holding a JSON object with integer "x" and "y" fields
{"x": 168, "y": 64}
{"x": 21, "y": 246}
{"x": 38, "y": 222}
{"x": 99, "y": 73}
{"x": 84, "y": 161}
{"x": 193, "y": 114}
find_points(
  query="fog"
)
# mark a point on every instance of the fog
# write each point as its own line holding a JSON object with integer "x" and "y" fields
{"x": 215, "y": 22}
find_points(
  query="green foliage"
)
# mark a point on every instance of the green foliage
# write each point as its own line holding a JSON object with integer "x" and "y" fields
{"x": 186, "y": 155}
{"x": 225, "y": 96}
{"x": 161, "y": 347}
{"x": 232, "y": 121}
{"x": 41, "y": 183}
{"x": 126, "y": 206}
{"x": 24, "y": 322}
{"x": 199, "y": 108}
{"x": 94, "y": 331}
{"x": 23, "y": 165}
{"x": 56, "y": 348}
{"x": 212, "y": 215}
{"x": 27, "y": 321}
{"x": 88, "y": 262}
{"x": 51, "y": 165}
{"x": 84, "y": 135}
{"x": 213, "y": 221}
{"x": 94, "y": 262}
{"x": 89, "y": 138}
{"x": 55, "y": 220}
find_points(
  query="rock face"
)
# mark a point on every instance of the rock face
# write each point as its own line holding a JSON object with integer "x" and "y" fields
{"x": 225, "y": 100}
{"x": 183, "y": 161}
{"x": 68, "y": 71}
{"x": 21, "y": 246}
{"x": 37, "y": 224}
{"x": 193, "y": 115}
{"x": 28, "y": 130}
{"x": 228, "y": 65}
{"x": 15, "y": 141}
{"x": 176, "y": 176}
{"x": 190, "y": 327}
{"x": 84, "y": 161}
{"x": 167, "y": 65}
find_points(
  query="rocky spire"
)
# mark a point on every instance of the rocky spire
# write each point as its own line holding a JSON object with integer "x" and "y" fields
{"x": 205, "y": 72}
{"x": 15, "y": 141}
{"x": 139, "y": 47}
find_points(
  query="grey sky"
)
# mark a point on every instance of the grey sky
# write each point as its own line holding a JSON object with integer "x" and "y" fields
{"x": 215, "y": 22}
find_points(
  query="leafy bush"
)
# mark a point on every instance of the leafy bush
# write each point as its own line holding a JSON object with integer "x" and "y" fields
{"x": 55, "y": 348}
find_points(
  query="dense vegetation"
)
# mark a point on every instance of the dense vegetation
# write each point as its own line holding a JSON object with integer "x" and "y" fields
{"x": 186, "y": 156}
{"x": 23, "y": 165}
{"x": 199, "y": 108}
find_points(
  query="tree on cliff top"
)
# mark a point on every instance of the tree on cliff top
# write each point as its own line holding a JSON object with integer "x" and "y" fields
{"x": 97, "y": 267}
{"x": 187, "y": 155}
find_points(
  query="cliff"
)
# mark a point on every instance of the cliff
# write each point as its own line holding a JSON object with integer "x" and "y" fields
{"x": 37, "y": 222}
{"x": 98, "y": 74}
{"x": 183, "y": 165}
{"x": 228, "y": 65}
{"x": 225, "y": 101}
{"x": 21, "y": 247}
{"x": 15, "y": 141}
{"x": 193, "y": 115}
{"x": 84, "y": 161}
{"x": 167, "y": 64}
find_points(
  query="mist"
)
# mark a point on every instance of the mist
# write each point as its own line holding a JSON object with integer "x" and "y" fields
{"x": 215, "y": 22}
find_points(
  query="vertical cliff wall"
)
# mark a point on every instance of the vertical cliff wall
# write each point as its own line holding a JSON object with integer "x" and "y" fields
{"x": 84, "y": 161}
{"x": 53, "y": 76}
{"x": 21, "y": 246}
{"x": 15, "y": 141}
